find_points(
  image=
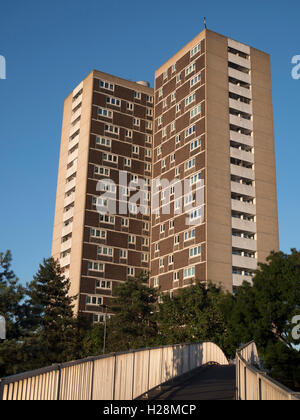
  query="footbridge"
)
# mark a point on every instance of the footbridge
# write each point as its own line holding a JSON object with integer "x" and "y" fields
{"x": 182, "y": 371}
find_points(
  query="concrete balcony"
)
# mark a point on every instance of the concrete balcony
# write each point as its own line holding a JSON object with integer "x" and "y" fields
{"x": 240, "y": 106}
{"x": 242, "y": 207}
{"x": 238, "y": 280}
{"x": 70, "y": 185}
{"x": 69, "y": 200}
{"x": 65, "y": 261}
{"x": 72, "y": 169}
{"x": 73, "y": 142}
{"x": 244, "y": 62}
{"x": 65, "y": 246}
{"x": 242, "y": 189}
{"x": 67, "y": 229}
{"x": 68, "y": 214}
{"x": 75, "y": 115}
{"x": 244, "y": 225}
{"x": 74, "y": 128}
{"x": 77, "y": 102}
{"x": 241, "y": 138}
{"x": 241, "y": 122}
{"x": 239, "y": 75}
{"x": 239, "y": 90}
{"x": 244, "y": 262}
{"x": 243, "y": 243}
{"x": 241, "y": 155}
{"x": 238, "y": 46}
{"x": 73, "y": 156}
{"x": 242, "y": 172}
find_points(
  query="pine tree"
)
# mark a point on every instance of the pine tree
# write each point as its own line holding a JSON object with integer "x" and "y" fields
{"x": 52, "y": 311}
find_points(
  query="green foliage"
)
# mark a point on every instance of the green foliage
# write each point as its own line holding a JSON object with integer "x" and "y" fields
{"x": 133, "y": 324}
{"x": 52, "y": 313}
{"x": 193, "y": 315}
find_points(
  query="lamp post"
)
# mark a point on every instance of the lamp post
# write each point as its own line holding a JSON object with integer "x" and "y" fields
{"x": 105, "y": 319}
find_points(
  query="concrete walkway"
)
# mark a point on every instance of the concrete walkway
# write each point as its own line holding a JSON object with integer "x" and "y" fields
{"x": 212, "y": 384}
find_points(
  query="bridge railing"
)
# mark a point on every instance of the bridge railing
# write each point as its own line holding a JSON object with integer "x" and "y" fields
{"x": 116, "y": 376}
{"x": 253, "y": 383}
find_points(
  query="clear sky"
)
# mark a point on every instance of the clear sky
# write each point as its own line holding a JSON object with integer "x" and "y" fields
{"x": 51, "y": 46}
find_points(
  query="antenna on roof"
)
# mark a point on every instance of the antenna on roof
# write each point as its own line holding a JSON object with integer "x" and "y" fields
{"x": 204, "y": 20}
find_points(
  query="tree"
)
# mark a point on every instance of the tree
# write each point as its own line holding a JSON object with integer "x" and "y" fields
{"x": 263, "y": 312}
{"x": 194, "y": 314}
{"x": 51, "y": 307}
{"x": 13, "y": 309}
{"x": 133, "y": 325}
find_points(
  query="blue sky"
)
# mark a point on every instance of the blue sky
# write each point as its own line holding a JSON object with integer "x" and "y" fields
{"x": 51, "y": 46}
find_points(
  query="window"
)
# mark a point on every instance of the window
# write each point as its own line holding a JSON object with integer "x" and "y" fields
{"x": 177, "y": 171}
{"x": 148, "y": 139}
{"x": 135, "y": 150}
{"x": 98, "y": 233}
{"x": 164, "y": 132}
{"x": 103, "y": 141}
{"x": 190, "y": 164}
{"x": 178, "y": 107}
{"x": 171, "y": 224}
{"x": 129, "y": 106}
{"x": 195, "y": 144}
{"x": 123, "y": 254}
{"x": 156, "y": 282}
{"x": 100, "y": 170}
{"x": 94, "y": 266}
{"x": 131, "y": 239}
{"x": 171, "y": 259}
{"x": 190, "y": 99}
{"x": 145, "y": 226}
{"x": 137, "y": 95}
{"x": 172, "y": 157}
{"x": 191, "y": 130}
{"x": 110, "y": 157}
{"x": 148, "y": 153}
{"x": 159, "y": 121}
{"x": 196, "y": 49}
{"x": 128, "y": 133}
{"x": 189, "y": 272}
{"x": 93, "y": 300}
{"x": 189, "y": 235}
{"x": 145, "y": 241}
{"x": 136, "y": 121}
{"x": 178, "y": 78}
{"x": 161, "y": 262}
{"x": 190, "y": 69}
{"x": 105, "y": 251}
{"x": 127, "y": 162}
{"x": 125, "y": 222}
{"x": 148, "y": 125}
{"x": 176, "y": 240}
{"x": 107, "y": 219}
{"x": 149, "y": 112}
{"x": 106, "y": 85}
{"x": 105, "y": 112}
{"x": 173, "y": 68}
{"x": 150, "y": 99}
{"x": 163, "y": 164}
{"x": 103, "y": 284}
{"x": 159, "y": 151}
{"x": 195, "y": 79}
{"x": 164, "y": 103}
{"x": 173, "y": 96}
{"x": 195, "y": 111}
{"x": 177, "y": 139}
{"x": 195, "y": 178}
{"x": 130, "y": 271}
{"x": 173, "y": 126}
{"x": 196, "y": 214}
{"x": 195, "y": 251}
{"x": 145, "y": 258}
{"x": 147, "y": 167}
{"x": 112, "y": 129}
{"x": 176, "y": 276}
{"x": 162, "y": 228}
{"x": 160, "y": 92}
{"x": 113, "y": 101}
{"x": 165, "y": 74}
{"x": 157, "y": 247}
